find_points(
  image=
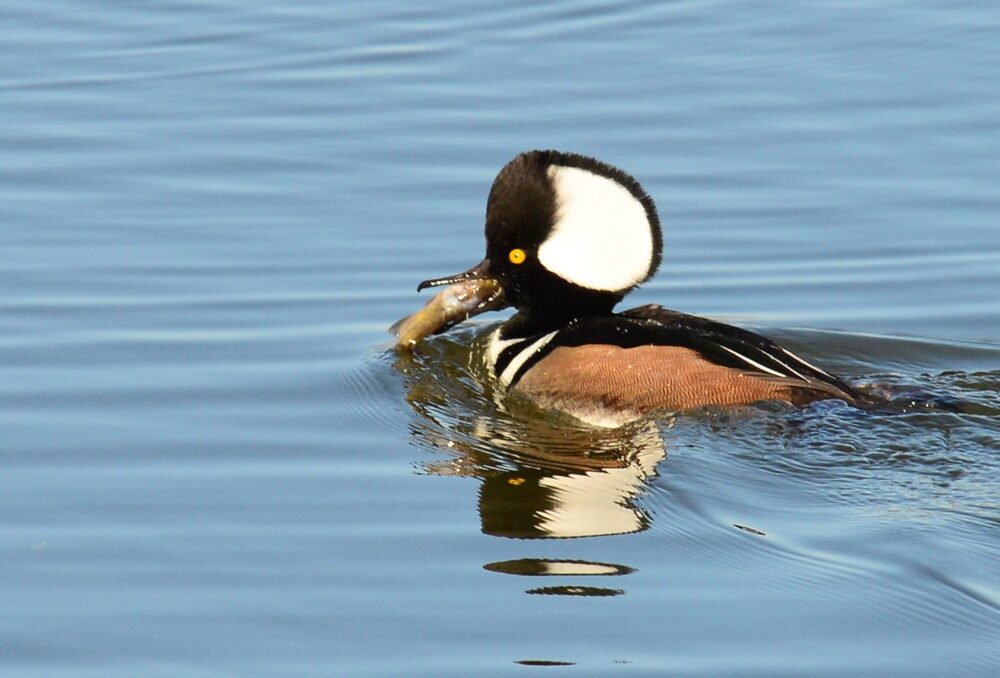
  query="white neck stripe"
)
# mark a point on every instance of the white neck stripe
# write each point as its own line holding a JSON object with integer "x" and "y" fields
{"x": 496, "y": 347}
{"x": 522, "y": 357}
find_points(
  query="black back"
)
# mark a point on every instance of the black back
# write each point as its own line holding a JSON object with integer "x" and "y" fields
{"x": 716, "y": 342}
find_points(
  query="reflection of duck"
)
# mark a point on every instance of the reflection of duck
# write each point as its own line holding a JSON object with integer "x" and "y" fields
{"x": 541, "y": 476}
{"x": 567, "y": 237}
{"x": 590, "y": 498}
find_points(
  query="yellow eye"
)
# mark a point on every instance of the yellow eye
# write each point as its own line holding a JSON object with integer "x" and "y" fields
{"x": 517, "y": 256}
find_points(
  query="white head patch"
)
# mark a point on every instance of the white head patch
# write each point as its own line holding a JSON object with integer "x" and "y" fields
{"x": 602, "y": 238}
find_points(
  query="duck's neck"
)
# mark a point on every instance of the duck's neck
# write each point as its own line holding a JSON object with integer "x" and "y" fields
{"x": 528, "y": 324}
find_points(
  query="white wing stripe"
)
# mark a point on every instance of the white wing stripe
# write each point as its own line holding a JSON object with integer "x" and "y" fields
{"x": 809, "y": 365}
{"x": 788, "y": 367}
{"x": 751, "y": 362}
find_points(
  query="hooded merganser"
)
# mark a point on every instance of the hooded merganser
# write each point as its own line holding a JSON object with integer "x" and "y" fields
{"x": 567, "y": 237}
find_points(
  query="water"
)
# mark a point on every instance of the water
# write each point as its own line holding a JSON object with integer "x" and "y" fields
{"x": 214, "y": 463}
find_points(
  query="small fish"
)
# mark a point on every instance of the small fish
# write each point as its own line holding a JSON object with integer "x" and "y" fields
{"x": 449, "y": 307}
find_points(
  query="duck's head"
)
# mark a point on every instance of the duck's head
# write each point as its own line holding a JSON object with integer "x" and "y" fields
{"x": 566, "y": 235}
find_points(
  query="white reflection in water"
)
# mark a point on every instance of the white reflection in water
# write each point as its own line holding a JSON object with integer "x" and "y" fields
{"x": 542, "y": 476}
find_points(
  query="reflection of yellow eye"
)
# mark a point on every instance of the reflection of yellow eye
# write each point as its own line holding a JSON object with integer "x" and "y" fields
{"x": 517, "y": 256}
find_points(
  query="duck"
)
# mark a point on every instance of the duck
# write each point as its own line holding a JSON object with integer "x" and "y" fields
{"x": 567, "y": 238}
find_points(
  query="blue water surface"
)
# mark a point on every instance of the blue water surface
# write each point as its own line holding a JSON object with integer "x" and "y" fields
{"x": 214, "y": 463}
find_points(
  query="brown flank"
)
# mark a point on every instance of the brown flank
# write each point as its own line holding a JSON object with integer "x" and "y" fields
{"x": 650, "y": 378}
